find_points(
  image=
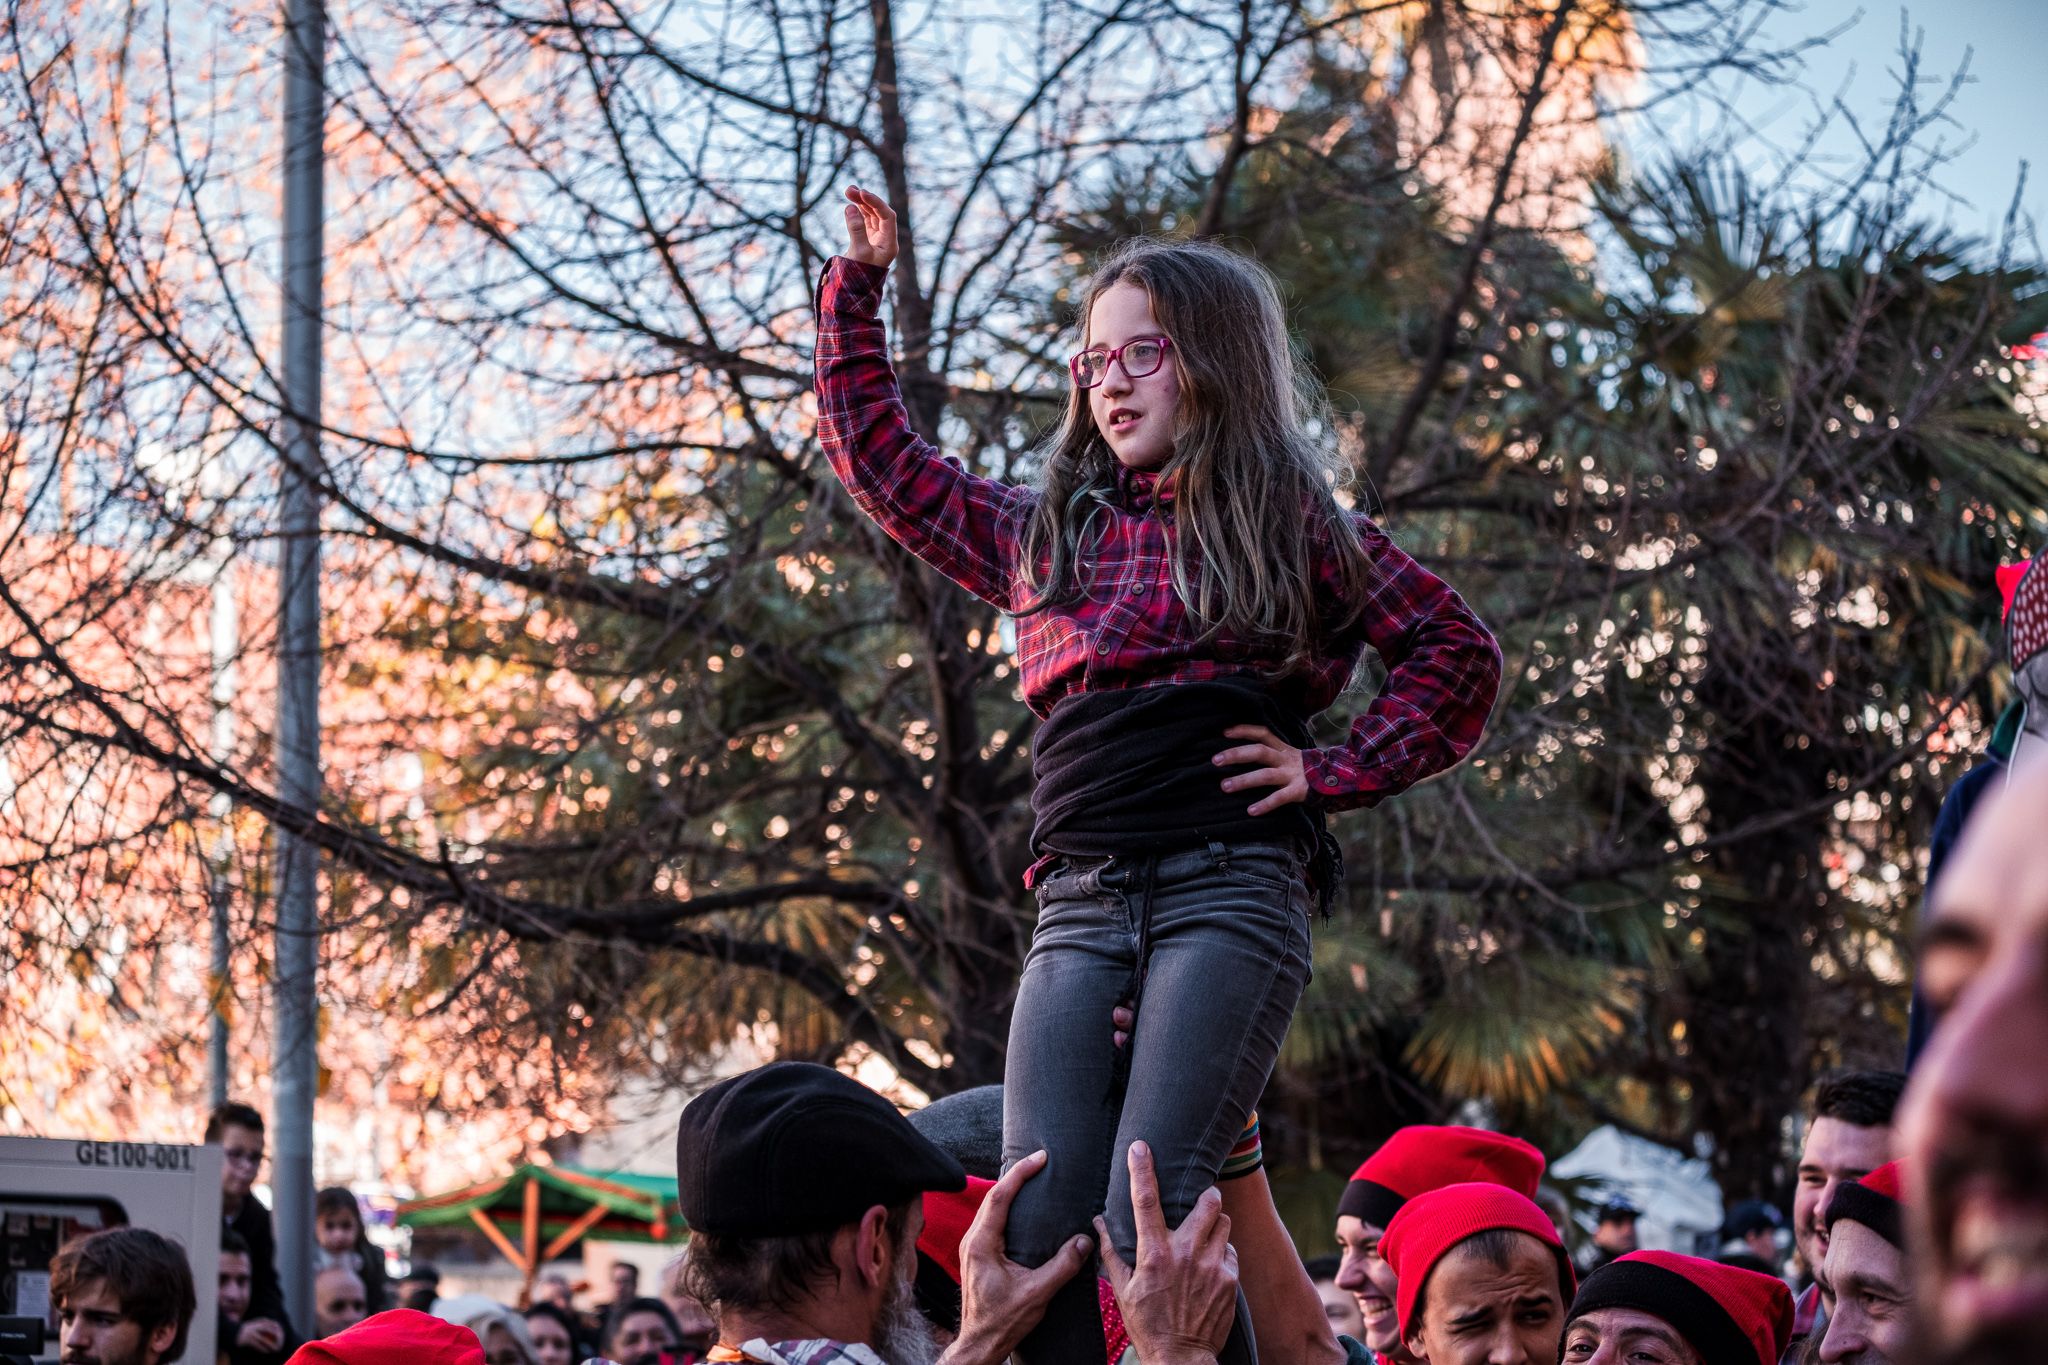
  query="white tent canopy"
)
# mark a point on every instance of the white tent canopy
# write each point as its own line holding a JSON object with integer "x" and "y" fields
{"x": 1681, "y": 1204}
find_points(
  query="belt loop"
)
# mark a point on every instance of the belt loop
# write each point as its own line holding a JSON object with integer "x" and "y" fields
{"x": 1219, "y": 856}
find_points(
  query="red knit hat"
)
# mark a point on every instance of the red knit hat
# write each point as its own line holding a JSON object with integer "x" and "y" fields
{"x": 1426, "y": 1157}
{"x": 1431, "y": 1224}
{"x": 2009, "y": 576}
{"x": 1729, "y": 1315}
{"x": 2026, "y": 609}
{"x": 397, "y": 1335}
{"x": 947, "y": 1216}
{"x": 1876, "y": 1201}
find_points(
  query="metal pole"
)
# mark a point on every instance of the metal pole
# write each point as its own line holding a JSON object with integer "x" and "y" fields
{"x": 223, "y": 636}
{"x": 217, "y": 1024}
{"x": 298, "y": 663}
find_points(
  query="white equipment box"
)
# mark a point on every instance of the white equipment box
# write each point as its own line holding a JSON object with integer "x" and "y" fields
{"x": 54, "y": 1189}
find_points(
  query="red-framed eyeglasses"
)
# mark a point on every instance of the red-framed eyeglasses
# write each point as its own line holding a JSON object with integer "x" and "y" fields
{"x": 1139, "y": 356}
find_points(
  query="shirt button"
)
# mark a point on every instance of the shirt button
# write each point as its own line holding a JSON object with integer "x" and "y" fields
{"x": 1137, "y": 589}
{"x": 1102, "y": 648}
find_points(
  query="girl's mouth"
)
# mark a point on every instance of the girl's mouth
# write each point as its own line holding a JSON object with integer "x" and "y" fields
{"x": 1122, "y": 419}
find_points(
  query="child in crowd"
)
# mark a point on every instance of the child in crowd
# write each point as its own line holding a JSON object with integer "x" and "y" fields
{"x": 343, "y": 1243}
{"x": 1189, "y": 593}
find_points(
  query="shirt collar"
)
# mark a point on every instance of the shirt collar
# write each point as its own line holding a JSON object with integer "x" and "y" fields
{"x": 818, "y": 1349}
{"x": 1142, "y": 489}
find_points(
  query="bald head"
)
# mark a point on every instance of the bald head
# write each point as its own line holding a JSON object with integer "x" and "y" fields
{"x": 339, "y": 1300}
{"x": 1974, "y": 1122}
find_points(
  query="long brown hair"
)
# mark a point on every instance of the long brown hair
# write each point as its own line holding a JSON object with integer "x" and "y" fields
{"x": 1253, "y": 482}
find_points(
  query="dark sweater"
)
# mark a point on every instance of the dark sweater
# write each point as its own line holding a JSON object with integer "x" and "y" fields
{"x": 1949, "y": 821}
{"x": 266, "y": 1293}
{"x": 1129, "y": 771}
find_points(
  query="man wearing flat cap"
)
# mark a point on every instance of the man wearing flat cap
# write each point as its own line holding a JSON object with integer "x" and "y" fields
{"x": 804, "y": 1190}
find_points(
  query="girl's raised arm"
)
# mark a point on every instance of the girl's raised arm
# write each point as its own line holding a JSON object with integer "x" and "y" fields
{"x": 965, "y": 526}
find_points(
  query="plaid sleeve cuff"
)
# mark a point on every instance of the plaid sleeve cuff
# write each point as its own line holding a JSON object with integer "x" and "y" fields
{"x": 851, "y": 289}
{"x": 1338, "y": 781}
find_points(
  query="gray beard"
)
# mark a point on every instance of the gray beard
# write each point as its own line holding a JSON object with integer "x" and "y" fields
{"x": 902, "y": 1336}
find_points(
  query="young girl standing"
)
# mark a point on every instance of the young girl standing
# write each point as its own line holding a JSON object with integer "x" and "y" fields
{"x": 342, "y": 1241}
{"x": 1188, "y": 594}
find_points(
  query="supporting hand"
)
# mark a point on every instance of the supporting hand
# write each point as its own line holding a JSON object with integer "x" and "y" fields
{"x": 1180, "y": 1297}
{"x": 1001, "y": 1301}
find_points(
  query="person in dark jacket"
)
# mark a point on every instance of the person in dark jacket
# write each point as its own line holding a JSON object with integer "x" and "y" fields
{"x": 237, "y": 1130}
{"x": 233, "y": 1309}
{"x": 2021, "y": 735}
{"x": 421, "y": 1286}
{"x": 1614, "y": 1235}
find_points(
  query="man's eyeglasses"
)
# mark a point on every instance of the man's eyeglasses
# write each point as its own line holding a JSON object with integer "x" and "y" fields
{"x": 1139, "y": 356}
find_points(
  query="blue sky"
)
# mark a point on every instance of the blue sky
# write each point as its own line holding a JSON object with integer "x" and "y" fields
{"x": 1997, "y": 119}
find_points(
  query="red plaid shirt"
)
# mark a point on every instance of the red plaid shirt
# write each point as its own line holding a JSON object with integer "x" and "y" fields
{"x": 1809, "y": 1318}
{"x": 1131, "y": 629}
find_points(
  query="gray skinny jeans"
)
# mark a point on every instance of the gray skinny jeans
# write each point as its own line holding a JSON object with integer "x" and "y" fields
{"x": 1225, "y": 958}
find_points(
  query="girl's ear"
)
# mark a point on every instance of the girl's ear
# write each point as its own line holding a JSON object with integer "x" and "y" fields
{"x": 1412, "y": 1339}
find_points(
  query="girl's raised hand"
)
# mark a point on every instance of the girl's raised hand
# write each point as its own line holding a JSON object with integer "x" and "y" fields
{"x": 870, "y": 228}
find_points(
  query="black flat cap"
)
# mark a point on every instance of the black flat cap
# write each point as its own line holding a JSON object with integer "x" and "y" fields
{"x": 792, "y": 1147}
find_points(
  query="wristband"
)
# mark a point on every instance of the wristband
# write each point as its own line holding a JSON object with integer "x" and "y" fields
{"x": 1246, "y": 1156}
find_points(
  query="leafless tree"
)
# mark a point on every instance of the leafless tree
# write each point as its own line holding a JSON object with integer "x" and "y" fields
{"x": 640, "y": 734}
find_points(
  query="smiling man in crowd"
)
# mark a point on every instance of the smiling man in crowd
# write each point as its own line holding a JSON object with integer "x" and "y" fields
{"x": 1414, "y": 1161}
{"x": 236, "y": 1277}
{"x": 1848, "y": 1135}
{"x": 1973, "y": 1129}
{"x": 1867, "y": 1269}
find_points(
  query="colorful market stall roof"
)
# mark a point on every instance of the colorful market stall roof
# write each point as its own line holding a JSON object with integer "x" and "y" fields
{"x": 535, "y": 1213}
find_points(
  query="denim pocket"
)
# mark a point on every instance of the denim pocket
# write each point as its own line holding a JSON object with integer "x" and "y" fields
{"x": 1270, "y": 866}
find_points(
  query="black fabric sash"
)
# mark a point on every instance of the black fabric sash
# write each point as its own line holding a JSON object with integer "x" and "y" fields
{"x": 1129, "y": 772}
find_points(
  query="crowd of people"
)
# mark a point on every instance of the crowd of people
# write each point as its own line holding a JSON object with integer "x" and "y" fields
{"x": 351, "y": 1284}
{"x": 827, "y": 1228}
{"x": 1109, "y": 1202}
